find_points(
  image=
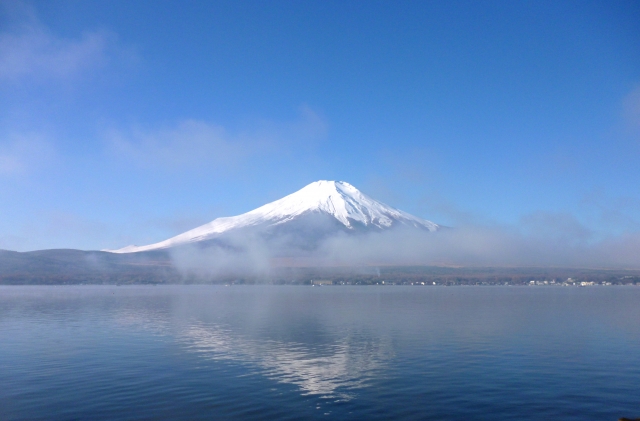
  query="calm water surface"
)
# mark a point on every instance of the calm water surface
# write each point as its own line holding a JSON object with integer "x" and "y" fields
{"x": 292, "y": 352}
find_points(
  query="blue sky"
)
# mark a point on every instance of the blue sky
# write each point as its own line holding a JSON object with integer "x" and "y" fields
{"x": 128, "y": 122}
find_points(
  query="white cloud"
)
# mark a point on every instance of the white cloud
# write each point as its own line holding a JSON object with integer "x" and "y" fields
{"x": 9, "y": 163}
{"x": 631, "y": 114}
{"x": 555, "y": 227}
{"x": 37, "y": 53}
{"x": 23, "y": 154}
{"x": 194, "y": 144}
{"x": 46, "y": 229}
{"x": 632, "y": 107}
{"x": 29, "y": 50}
{"x": 190, "y": 143}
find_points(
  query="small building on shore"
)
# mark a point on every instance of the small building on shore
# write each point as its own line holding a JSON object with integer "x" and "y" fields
{"x": 321, "y": 282}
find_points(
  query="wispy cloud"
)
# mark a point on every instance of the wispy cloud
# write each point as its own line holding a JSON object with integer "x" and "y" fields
{"x": 194, "y": 144}
{"x": 52, "y": 229}
{"x": 631, "y": 113}
{"x": 24, "y": 153}
{"x": 29, "y": 50}
{"x": 190, "y": 143}
{"x": 554, "y": 226}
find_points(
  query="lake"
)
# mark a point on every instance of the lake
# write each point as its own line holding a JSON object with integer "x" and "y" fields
{"x": 299, "y": 352}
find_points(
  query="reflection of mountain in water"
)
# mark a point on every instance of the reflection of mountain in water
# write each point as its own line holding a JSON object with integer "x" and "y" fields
{"x": 331, "y": 371}
{"x": 327, "y": 345}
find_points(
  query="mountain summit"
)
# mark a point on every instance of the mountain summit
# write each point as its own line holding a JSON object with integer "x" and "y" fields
{"x": 316, "y": 211}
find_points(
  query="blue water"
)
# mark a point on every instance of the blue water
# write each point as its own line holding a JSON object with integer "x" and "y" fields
{"x": 294, "y": 352}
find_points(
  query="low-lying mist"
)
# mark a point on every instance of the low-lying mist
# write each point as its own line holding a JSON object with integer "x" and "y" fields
{"x": 468, "y": 246}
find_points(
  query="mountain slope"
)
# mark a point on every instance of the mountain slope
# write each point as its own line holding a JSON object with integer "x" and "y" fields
{"x": 317, "y": 210}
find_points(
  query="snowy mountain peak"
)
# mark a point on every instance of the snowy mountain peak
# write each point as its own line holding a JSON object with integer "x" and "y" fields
{"x": 337, "y": 199}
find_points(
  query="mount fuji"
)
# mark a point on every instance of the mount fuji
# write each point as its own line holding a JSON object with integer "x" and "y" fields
{"x": 299, "y": 220}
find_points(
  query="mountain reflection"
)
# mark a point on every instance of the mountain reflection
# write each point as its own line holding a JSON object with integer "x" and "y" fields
{"x": 325, "y": 344}
{"x": 331, "y": 371}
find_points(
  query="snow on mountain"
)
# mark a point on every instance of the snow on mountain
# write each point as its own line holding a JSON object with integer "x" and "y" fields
{"x": 340, "y": 200}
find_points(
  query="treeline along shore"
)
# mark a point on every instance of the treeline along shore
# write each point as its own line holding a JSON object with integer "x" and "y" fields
{"x": 73, "y": 267}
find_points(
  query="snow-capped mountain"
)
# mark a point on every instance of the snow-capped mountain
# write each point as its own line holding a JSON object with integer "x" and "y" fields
{"x": 317, "y": 210}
